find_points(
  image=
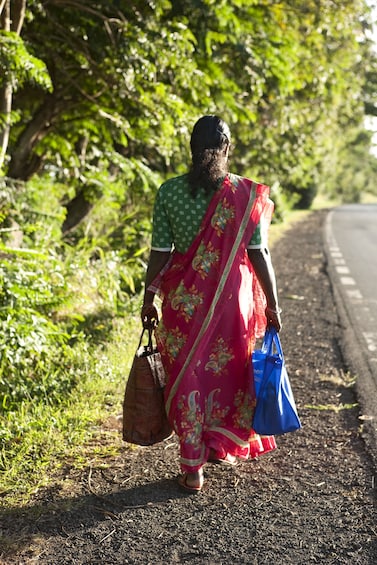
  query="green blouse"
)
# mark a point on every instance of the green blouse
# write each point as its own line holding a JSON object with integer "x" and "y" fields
{"x": 177, "y": 217}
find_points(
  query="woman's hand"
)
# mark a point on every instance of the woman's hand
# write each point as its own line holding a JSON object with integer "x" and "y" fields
{"x": 273, "y": 318}
{"x": 149, "y": 316}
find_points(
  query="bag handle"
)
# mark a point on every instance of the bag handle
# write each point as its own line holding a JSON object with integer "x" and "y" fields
{"x": 150, "y": 333}
{"x": 271, "y": 338}
{"x": 268, "y": 340}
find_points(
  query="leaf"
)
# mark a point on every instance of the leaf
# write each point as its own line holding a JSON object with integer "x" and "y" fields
{"x": 18, "y": 65}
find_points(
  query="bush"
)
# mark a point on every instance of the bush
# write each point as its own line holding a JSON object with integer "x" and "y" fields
{"x": 36, "y": 354}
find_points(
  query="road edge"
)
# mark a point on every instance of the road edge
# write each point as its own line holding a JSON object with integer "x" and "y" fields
{"x": 351, "y": 349}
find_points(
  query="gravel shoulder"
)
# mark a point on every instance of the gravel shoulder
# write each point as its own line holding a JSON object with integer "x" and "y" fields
{"x": 310, "y": 501}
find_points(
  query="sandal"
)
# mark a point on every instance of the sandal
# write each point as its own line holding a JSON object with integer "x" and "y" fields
{"x": 182, "y": 482}
{"x": 227, "y": 460}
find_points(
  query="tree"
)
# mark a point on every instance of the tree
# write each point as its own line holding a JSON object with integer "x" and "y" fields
{"x": 129, "y": 79}
{"x": 17, "y": 66}
{"x": 118, "y": 87}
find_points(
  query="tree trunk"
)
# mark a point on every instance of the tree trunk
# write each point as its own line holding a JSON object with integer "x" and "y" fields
{"x": 24, "y": 163}
{"x": 5, "y": 109}
{"x": 77, "y": 209}
{"x": 9, "y": 22}
{"x": 18, "y": 15}
{"x": 5, "y": 92}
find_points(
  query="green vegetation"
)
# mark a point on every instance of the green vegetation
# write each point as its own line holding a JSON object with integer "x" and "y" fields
{"x": 96, "y": 104}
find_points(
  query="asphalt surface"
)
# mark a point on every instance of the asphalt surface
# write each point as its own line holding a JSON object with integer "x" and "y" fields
{"x": 351, "y": 248}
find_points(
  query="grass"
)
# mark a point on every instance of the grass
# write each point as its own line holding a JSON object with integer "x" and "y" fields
{"x": 46, "y": 438}
{"x": 85, "y": 427}
{"x": 332, "y": 407}
{"x": 368, "y": 198}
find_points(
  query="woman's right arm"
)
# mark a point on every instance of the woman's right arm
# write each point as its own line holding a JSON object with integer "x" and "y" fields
{"x": 157, "y": 261}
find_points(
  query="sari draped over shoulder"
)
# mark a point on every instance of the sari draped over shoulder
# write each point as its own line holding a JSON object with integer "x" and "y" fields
{"x": 212, "y": 312}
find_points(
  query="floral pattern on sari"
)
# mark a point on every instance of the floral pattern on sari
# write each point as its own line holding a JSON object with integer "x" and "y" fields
{"x": 205, "y": 258}
{"x": 206, "y": 347}
{"x": 192, "y": 420}
{"x": 219, "y": 357}
{"x": 173, "y": 340}
{"x": 190, "y": 425}
{"x": 223, "y": 215}
{"x": 245, "y": 405}
{"x": 215, "y": 413}
{"x": 185, "y": 302}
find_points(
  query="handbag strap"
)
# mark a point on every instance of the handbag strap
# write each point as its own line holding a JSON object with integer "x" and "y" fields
{"x": 150, "y": 334}
{"x": 271, "y": 339}
{"x": 268, "y": 340}
{"x": 278, "y": 345}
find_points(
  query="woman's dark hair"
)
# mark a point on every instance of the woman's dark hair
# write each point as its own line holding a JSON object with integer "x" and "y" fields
{"x": 209, "y": 139}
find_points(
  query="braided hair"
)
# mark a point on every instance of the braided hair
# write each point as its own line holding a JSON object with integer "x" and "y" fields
{"x": 210, "y": 139}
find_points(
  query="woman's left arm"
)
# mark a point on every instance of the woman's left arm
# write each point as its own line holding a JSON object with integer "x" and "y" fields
{"x": 262, "y": 264}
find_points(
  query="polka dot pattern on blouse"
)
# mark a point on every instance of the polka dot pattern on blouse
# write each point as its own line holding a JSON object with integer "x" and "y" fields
{"x": 177, "y": 216}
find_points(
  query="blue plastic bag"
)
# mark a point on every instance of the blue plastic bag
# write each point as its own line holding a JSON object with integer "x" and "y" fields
{"x": 275, "y": 411}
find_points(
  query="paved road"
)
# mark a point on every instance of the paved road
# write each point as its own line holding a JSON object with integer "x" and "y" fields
{"x": 351, "y": 242}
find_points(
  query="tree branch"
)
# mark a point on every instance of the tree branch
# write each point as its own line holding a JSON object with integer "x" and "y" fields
{"x": 2, "y": 6}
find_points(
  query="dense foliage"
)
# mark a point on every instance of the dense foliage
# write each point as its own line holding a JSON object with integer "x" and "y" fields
{"x": 105, "y": 90}
{"x": 97, "y": 100}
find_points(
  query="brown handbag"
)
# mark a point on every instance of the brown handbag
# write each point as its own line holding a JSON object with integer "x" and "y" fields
{"x": 144, "y": 415}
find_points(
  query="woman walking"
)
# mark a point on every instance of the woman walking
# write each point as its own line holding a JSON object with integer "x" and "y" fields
{"x": 211, "y": 265}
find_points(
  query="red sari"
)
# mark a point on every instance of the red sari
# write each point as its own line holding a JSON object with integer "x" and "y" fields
{"x": 212, "y": 312}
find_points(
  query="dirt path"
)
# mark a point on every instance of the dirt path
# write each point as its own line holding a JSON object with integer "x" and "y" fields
{"x": 312, "y": 501}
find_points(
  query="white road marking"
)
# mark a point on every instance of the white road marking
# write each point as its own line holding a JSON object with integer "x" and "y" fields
{"x": 347, "y": 281}
{"x": 371, "y": 339}
{"x": 343, "y": 270}
{"x": 354, "y": 294}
